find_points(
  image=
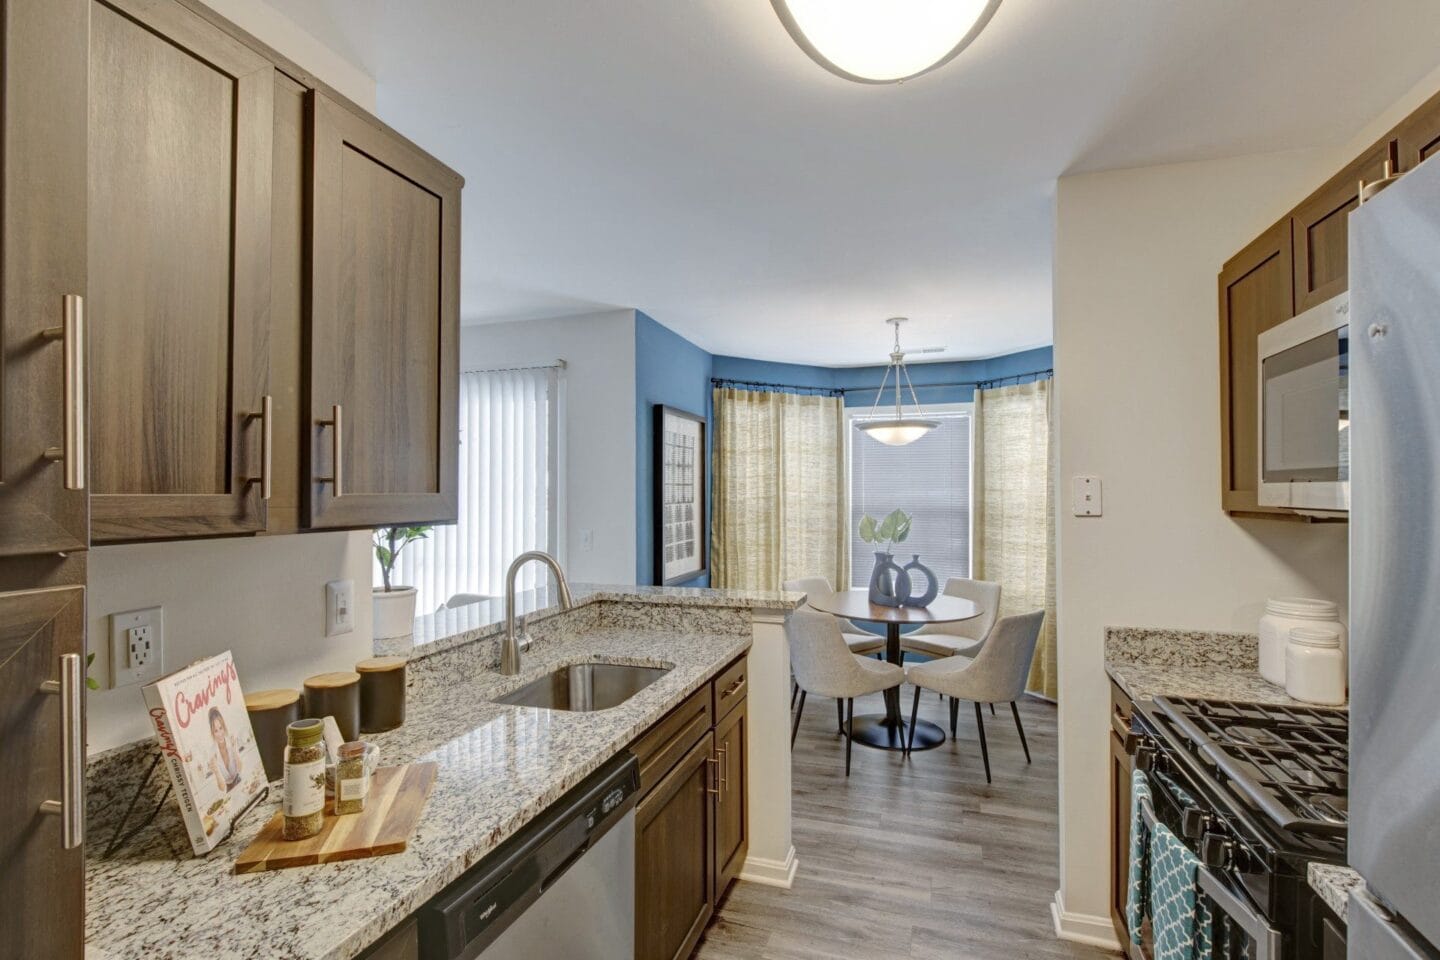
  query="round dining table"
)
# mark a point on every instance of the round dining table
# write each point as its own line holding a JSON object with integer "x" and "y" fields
{"x": 888, "y": 730}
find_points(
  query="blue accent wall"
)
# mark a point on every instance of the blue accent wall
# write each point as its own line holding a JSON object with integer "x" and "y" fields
{"x": 672, "y": 371}
{"x": 669, "y": 371}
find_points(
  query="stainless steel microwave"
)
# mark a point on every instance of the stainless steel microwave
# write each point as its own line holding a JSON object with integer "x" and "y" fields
{"x": 1304, "y": 431}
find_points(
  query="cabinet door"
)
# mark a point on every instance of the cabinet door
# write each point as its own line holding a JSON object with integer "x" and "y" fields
{"x": 1419, "y": 135}
{"x": 1120, "y": 771}
{"x": 1321, "y": 234}
{"x": 384, "y": 327}
{"x": 675, "y": 858}
{"x": 180, "y": 127}
{"x": 42, "y": 884}
{"x": 42, "y": 263}
{"x": 732, "y": 813}
{"x": 1255, "y": 295}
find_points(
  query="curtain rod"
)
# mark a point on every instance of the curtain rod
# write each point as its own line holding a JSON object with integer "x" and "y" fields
{"x": 553, "y": 365}
{"x": 841, "y": 391}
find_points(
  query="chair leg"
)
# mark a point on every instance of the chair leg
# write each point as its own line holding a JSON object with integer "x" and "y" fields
{"x": 840, "y": 717}
{"x": 914, "y": 712}
{"x": 849, "y": 729}
{"x": 794, "y": 689}
{"x": 954, "y": 717}
{"x": 1020, "y": 727}
{"x": 984, "y": 750}
{"x": 796, "y": 729}
{"x": 992, "y": 709}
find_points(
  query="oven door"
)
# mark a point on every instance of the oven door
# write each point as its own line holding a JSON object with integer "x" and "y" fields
{"x": 1241, "y": 931}
{"x": 1304, "y": 409}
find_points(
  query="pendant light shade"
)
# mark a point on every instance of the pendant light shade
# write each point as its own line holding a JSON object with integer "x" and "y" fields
{"x": 884, "y": 41}
{"x": 900, "y": 429}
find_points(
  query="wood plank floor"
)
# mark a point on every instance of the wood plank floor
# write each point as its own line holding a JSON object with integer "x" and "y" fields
{"x": 917, "y": 859}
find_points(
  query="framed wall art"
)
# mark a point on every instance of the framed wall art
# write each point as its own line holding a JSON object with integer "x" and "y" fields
{"x": 681, "y": 471}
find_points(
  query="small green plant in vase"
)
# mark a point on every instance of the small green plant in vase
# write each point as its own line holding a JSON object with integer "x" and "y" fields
{"x": 394, "y": 605}
{"x": 892, "y": 585}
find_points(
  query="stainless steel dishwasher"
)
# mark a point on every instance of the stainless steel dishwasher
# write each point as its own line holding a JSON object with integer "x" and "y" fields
{"x": 564, "y": 886}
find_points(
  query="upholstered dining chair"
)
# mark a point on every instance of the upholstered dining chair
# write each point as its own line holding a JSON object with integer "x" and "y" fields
{"x": 996, "y": 674}
{"x": 961, "y": 638}
{"x": 856, "y": 639}
{"x": 823, "y": 665}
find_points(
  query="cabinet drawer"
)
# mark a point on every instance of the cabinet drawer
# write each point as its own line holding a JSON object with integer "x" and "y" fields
{"x": 662, "y": 746}
{"x": 730, "y": 687}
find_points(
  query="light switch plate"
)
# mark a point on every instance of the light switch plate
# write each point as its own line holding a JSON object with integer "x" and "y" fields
{"x": 137, "y": 646}
{"x": 1087, "y": 495}
{"x": 339, "y": 607}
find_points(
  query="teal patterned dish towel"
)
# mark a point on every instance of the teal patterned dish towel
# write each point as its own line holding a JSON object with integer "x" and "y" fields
{"x": 1137, "y": 899}
{"x": 1180, "y": 915}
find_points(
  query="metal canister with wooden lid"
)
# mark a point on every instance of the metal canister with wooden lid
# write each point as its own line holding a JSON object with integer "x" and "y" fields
{"x": 271, "y": 711}
{"x": 335, "y": 695}
{"x": 382, "y": 693}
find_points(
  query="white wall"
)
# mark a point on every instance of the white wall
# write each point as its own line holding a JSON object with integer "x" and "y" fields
{"x": 1137, "y": 391}
{"x": 260, "y": 597}
{"x": 599, "y": 426}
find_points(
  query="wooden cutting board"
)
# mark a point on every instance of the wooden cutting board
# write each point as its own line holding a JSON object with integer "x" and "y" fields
{"x": 397, "y": 797}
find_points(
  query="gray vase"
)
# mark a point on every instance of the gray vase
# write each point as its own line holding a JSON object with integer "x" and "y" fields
{"x": 932, "y": 583}
{"x": 889, "y": 583}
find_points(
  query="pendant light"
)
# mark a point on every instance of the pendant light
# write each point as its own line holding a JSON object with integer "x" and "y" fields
{"x": 884, "y": 41}
{"x": 901, "y": 429}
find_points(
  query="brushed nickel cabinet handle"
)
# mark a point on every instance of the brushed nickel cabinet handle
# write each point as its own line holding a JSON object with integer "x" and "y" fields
{"x": 724, "y": 769}
{"x": 71, "y": 333}
{"x": 71, "y": 807}
{"x": 337, "y": 450}
{"x": 266, "y": 416}
{"x": 731, "y": 690}
{"x": 714, "y": 778}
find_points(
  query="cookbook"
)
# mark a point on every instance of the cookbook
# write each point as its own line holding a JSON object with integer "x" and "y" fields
{"x": 204, "y": 734}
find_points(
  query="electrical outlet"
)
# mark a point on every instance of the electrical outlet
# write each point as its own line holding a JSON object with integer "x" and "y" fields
{"x": 339, "y": 607}
{"x": 136, "y": 647}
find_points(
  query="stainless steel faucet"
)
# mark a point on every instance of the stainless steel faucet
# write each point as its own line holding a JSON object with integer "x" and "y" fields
{"x": 510, "y": 647}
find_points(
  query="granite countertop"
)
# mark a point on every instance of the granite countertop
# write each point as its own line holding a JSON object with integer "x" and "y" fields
{"x": 1334, "y": 884}
{"x": 499, "y": 767}
{"x": 1149, "y": 663}
{"x": 455, "y": 626}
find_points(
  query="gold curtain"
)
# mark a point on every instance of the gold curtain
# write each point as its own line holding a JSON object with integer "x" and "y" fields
{"x": 779, "y": 490}
{"x": 1014, "y": 519}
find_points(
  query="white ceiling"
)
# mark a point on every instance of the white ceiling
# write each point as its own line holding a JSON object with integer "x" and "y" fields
{"x": 684, "y": 157}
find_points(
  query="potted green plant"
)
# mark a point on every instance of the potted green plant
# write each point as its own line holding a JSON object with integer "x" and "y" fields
{"x": 394, "y": 605}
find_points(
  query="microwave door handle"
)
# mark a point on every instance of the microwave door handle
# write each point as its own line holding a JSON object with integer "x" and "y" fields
{"x": 1268, "y": 940}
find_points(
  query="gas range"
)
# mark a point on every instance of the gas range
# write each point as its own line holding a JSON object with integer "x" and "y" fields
{"x": 1258, "y": 791}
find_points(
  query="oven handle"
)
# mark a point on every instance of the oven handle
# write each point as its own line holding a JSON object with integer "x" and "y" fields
{"x": 1267, "y": 939}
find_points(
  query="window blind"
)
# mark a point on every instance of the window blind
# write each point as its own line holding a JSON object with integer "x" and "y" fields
{"x": 928, "y": 479}
{"x": 508, "y": 490}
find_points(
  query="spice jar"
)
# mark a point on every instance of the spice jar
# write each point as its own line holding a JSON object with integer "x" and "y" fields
{"x": 352, "y": 776}
{"x": 303, "y": 802}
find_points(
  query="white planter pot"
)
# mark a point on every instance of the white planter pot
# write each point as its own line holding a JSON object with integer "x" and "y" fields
{"x": 394, "y": 613}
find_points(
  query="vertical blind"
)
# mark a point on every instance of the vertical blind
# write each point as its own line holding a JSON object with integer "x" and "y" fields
{"x": 508, "y": 489}
{"x": 930, "y": 480}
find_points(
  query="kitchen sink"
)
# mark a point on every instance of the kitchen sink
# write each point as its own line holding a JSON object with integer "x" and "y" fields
{"x": 583, "y": 687}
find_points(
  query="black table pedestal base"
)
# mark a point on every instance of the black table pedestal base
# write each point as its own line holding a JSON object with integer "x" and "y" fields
{"x": 877, "y": 730}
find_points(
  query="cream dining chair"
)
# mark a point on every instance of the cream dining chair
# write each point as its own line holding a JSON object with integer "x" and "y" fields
{"x": 857, "y": 640}
{"x": 996, "y": 674}
{"x": 824, "y": 666}
{"x": 962, "y": 638}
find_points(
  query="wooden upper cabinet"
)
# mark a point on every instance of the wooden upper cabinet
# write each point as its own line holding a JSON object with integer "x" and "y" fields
{"x": 1320, "y": 230}
{"x": 1255, "y": 295}
{"x": 1419, "y": 135}
{"x": 180, "y": 127}
{"x": 42, "y": 883}
{"x": 384, "y": 327}
{"x": 42, "y": 275}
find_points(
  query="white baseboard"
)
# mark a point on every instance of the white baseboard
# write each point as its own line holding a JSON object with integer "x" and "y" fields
{"x": 771, "y": 873}
{"x": 1082, "y": 927}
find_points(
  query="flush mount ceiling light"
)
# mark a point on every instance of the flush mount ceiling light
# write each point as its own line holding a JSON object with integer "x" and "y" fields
{"x": 901, "y": 429}
{"x": 884, "y": 41}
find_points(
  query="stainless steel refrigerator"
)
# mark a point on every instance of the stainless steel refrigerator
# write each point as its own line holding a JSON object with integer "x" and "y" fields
{"x": 1395, "y": 570}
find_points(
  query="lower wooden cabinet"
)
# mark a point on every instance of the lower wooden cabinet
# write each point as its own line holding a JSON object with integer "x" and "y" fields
{"x": 692, "y": 824}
